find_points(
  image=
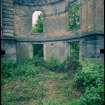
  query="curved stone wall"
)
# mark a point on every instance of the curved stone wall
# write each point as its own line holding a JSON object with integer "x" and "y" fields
{"x": 7, "y": 17}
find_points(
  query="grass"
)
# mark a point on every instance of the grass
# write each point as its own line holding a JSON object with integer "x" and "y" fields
{"x": 31, "y": 84}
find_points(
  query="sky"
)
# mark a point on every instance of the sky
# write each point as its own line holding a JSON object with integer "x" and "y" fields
{"x": 35, "y": 17}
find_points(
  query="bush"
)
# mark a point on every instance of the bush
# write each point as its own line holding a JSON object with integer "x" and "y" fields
{"x": 7, "y": 67}
{"x": 54, "y": 64}
{"x": 71, "y": 64}
{"x": 92, "y": 74}
{"x": 92, "y": 97}
{"x": 10, "y": 69}
{"x": 90, "y": 81}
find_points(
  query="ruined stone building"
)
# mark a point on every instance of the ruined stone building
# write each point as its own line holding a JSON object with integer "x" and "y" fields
{"x": 17, "y": 37}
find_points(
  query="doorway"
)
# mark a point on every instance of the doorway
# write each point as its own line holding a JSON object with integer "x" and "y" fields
{"x": 38, "y": 50}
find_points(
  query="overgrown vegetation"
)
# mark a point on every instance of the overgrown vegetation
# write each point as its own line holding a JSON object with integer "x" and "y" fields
{"x": 74, "y": 16}
{"x": 36, "y": 82}
{"x": 74, "y": 50}
{"x": 90, "y": 81}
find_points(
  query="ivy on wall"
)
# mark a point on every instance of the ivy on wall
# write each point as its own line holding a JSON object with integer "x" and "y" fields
{"x": 74, "y": 49}
{"x": 38, "y": 28}
{"x": 74, "y": 17}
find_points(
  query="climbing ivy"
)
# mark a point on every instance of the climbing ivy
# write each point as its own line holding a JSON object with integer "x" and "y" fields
{"x": 38, "y": 28}
{"x": 74, "y": 17}
{"x": 74, "y": 50}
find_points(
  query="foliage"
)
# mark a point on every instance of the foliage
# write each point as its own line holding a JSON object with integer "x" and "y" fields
{"x": 71, "y": 64}
{"x": 10, "y": 69}
{"x": 75, "y": 102}
{"x": 54, "y": 64}
{"x": 90, "y": 80}
{"x": 74, "y": 50}
{"x": 74, "y": 18}
{"x": 7, "y": 67}
{"x": 92, "y": 97}
{"x": 38, "y": 28}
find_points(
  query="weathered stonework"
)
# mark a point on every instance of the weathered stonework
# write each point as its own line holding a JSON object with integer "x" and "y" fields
{"x": 24, "y": 51}
{"x": 58, "y": 50}
{"x": 9, "y": 46}
{"x": 17, "y": 21}
{"x": 7, "y": 17}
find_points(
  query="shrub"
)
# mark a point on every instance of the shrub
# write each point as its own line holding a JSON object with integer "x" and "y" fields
{"x": 71, "y": 64}
{"x": 39, "y": 61}
{"x": 92, "y": 97}
{"x": 90, "y": 81}
{"x": 7, "y": 67}
{"x": 54, "y": 64}
{"x": 10, "y": 69}
{"x": 91, "y": 74}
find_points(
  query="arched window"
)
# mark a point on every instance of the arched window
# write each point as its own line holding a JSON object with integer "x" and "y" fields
{"x": 74, "y": 15}
{"x": 37, "y": 22}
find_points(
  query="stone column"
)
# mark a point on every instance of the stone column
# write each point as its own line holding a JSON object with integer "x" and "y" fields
{"x": 9, "y": 46}
{"x": 91, "y": 47}
{"x": 91, "y": 15}
{"x": 24, "y": 51}
{"x": 99, "y": 15}
{"x": 100, "y": 45}
{"x": 84, "y": 16}
{"x": 83, "y": 49}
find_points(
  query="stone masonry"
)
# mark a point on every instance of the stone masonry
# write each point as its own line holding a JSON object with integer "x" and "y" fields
{"x": 17, "y": 21}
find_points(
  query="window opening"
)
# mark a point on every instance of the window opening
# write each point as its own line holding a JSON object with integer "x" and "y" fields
{"x": 37, "y": 22}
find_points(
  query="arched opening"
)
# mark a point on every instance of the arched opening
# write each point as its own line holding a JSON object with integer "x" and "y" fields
{"x": 37, "y": 22}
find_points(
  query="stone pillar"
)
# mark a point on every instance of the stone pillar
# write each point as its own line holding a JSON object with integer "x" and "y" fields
{"x": 91, "y": 15}
{"x": 9, "y": 46}
{"x": 88, "y": 47}
{"x": 91, "y": 47}
{"x": 24, "y": 51}
{"x": 100, "y": 45}
{"x": 99, "y": 15}
{"x": 83, "y": 49}
{"x": 84, "y": 16}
